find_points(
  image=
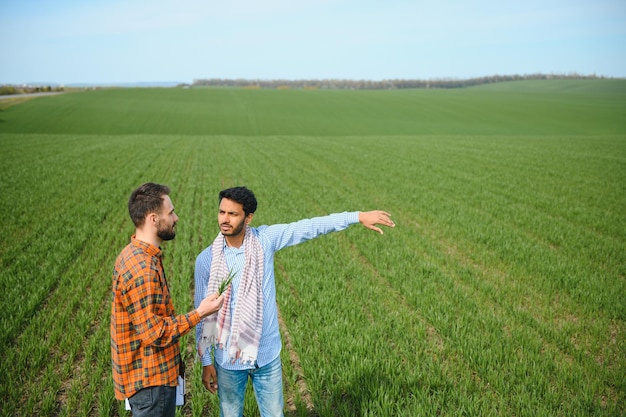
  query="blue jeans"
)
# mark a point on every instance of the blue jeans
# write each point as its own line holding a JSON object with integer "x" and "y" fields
{"x": 268, "y": 389}
{"x": 154, "y": 401}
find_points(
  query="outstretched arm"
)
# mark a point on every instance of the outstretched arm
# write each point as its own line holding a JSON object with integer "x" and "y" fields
{"x": 372, "y": 218}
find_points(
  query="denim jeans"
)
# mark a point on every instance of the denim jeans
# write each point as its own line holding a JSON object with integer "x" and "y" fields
{"x": 154, "y": 401}
{"x": 268, "y": 389}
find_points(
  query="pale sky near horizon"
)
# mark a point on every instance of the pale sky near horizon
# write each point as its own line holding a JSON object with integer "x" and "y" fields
{"x": 116, "y": 41}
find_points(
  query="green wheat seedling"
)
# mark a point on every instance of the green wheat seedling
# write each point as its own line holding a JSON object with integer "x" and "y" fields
{"x": 226, "y": 282}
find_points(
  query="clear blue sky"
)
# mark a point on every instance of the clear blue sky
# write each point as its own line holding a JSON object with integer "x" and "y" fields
{"x": 115, "y": 41}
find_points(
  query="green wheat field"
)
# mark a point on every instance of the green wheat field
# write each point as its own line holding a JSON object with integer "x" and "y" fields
{"x": 500, "y": 292}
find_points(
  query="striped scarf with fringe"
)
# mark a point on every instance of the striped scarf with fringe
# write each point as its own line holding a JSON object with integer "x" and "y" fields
{"x": 244, "y": 324}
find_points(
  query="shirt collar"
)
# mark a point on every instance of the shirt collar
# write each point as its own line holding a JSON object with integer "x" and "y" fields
{"x": 147, "y": 247}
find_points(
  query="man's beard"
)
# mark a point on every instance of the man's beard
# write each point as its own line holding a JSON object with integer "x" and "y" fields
{"x": 236, "y": 230}
{"x": 166, "y": 233}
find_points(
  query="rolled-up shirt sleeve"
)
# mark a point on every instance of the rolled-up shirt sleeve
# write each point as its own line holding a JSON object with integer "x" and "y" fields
{"x": 144, "y": 303}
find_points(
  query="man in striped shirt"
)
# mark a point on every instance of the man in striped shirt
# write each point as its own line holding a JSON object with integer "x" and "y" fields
{"x": 145, "y": 330}
{"x": 242, "y": 341}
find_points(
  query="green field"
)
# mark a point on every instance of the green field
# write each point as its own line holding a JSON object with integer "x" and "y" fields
{"x": 501, "y": 291}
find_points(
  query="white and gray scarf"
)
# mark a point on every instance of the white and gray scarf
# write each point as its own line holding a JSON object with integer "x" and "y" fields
{"x": 244, "y": 325}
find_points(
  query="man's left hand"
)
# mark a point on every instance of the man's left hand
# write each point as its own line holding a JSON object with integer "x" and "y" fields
{"x": 370, "y": 219}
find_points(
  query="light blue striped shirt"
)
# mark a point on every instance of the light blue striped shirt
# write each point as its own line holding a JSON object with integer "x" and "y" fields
{"x": 273, "y": 238}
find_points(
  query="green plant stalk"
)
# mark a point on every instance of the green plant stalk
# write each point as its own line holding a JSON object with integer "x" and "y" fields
{"x": 226, "y": 282}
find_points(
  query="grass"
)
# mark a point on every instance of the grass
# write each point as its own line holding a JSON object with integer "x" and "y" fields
{"x": 499, "y": 292}
{"x": 516, "y": 108}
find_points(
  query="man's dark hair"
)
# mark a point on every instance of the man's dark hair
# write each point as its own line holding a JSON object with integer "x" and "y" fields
{"x": 146, "y": 199}
{"x": 242, "y": 196}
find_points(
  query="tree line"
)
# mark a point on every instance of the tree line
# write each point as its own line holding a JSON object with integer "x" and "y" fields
{"x": 379, "y": 85}
{"x": 331, "y": 84}
{"x": 7, "y": 89}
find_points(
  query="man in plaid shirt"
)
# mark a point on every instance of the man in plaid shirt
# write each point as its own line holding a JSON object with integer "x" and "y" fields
{"x": 145, "y": 330}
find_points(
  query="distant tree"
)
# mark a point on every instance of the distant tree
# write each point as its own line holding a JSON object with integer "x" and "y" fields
{"x": 384, "y": 84}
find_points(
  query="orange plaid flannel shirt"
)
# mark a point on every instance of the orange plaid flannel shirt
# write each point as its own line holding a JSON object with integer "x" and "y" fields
{"x": 145, "y": 330}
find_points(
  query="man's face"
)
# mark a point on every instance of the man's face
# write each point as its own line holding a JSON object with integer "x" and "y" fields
{"x": 167, "y": 220}
{"x": 231, "y": 218}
